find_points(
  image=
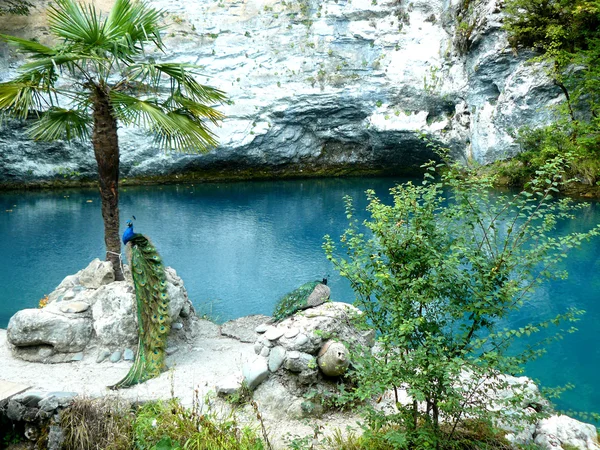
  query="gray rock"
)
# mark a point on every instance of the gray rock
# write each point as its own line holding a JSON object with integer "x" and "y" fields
{"x": 264, "y": 352}
{"x": 102, "y": 355}
{"x": 255, "y": 372}
{"x": 56, "y": 437}
{"x": 115, "y": 356}
{"x": 177, "y": 326}
{"x": 31, "y": 327}
{"x": 333, "y": 359}
{"x": 113, "y": 313}
{"x": 15, "y": 411}
{"x": 77, "y": 356}
{"x": 558, "y": 431}
{"x": 319, "y": 296}
{"x": 96, "y": 274}
{"x": 258, "y": 348}
{"x": 128, "y": 355}
{"x": 228, "y": 385}
{"x": 274, "y": 333}
{"x": 299, "y": 362}
{"x": 291, "y": 333}
{"x": 30, "y": 399}
{"x": 276, "y": 358}
{"x": 171, "y": 350}
{"x": 74, "y": 307}
{"x": 261, "y": 328}
{"x": 244, "y": 328}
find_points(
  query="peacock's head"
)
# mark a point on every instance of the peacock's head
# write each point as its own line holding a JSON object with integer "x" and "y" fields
{"x": 128, "y": 234}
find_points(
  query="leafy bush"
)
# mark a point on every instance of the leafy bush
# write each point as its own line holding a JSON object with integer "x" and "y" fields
{"x": 437, "y": 273}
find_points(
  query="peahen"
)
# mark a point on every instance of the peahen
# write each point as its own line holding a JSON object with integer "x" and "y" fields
{"x": 152, "y": 299}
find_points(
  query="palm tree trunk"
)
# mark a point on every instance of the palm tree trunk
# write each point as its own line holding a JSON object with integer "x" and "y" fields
{"x": 106, "y": 150}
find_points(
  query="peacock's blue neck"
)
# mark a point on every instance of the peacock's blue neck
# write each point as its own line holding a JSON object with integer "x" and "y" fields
{"x": 128, "y": 234}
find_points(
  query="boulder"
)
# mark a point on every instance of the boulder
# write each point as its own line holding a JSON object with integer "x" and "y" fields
{"x": 33, "y": 327}
{"x": 88, "y": 309}
{"x": 255, "y": 372}
{"x": 555, "y": 432}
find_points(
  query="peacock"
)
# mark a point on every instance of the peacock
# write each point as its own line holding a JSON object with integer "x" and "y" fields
{"x": 306, "y": 296}
{"x": 152, "y": 299}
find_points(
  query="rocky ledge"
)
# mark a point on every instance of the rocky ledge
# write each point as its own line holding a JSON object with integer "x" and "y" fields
{"x": 89, "y": 319}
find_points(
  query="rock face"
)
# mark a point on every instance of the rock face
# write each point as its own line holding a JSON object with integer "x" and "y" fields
{"x": 318, "y": 86}
{"x": 87, "y": 310}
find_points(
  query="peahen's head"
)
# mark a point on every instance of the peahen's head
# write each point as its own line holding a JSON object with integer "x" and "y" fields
{"x": 128, "y": 234}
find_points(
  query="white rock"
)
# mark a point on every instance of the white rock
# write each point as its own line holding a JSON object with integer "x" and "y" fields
{"x": 557, "y": 431}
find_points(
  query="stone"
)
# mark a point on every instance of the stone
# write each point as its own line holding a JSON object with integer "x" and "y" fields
{"x": 102, "y": 355}
{"x": 299, "y": 363}
{"x": 115, "y": 356}
{"x": 258, "y": 348}
{"x": 265, "y": 351}
{"x": 77, "y": 356}
{"x": 558, "y": 431}
{"x": 29, "y": 399}
{"x": 261, "y": 328}
{"x": 96, "y": 274}
{"x": 255, "y": 372}
{"x": 74, "y": 307}
{"x": 244, "y": 328}
{"x": 333, "y": 359}
{"x": 228, "y": 385}
{"x": 15, "y": 411}
{"x": 276, "y": 358}
{"x": 171, "y": 350}
{"x": 177, "y": 326}
{"x": 56, "y": 437}
{"x": 291, "y": 333}
{"x": 274, "y": 333}
{"x": 31, "y": 327}
{"x": 128, "y": 355}
{"x": 114, "y": 317}
{"x": 319, "y": 296}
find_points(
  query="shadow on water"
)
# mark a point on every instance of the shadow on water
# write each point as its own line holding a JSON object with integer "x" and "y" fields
{"x": 240, "y": 246}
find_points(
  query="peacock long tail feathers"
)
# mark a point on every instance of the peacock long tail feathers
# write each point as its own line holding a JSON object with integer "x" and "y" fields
{"x": 154, "y": 322}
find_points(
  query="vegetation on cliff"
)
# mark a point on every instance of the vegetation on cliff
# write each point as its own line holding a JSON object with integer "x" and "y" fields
{"x": 566, "y": 33}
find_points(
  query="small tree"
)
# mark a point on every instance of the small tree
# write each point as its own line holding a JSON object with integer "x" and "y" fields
{"x": 105, "y": 82}
{"x": 436, "y": 273}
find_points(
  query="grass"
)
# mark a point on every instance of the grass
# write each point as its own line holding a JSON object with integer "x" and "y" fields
{"x": 114, "y": 424}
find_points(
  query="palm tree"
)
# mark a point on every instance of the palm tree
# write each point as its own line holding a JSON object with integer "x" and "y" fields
{"x": 96, "y": 78}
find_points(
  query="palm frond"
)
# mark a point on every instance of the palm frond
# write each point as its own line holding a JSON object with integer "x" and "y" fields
{"x": 19, "y": 98}
{"x": 174, "y": 130}
{"x": 60, "y": 123}
{"x": 76, "y": 23}
{"x": 198, "y": 110}
{"x": 181, "y": 77}
{"x": 132, "y": 23}
{"x": 32, "y": 48}
{"x": 54, "y": 63}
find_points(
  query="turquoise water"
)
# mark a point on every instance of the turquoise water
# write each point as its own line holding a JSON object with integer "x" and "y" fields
{"x": 239, "y": 247}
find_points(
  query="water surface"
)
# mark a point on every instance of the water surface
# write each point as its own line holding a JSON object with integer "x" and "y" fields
{"x": 240, "y": 246}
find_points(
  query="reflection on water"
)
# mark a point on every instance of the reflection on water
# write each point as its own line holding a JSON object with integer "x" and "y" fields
{"x": 239, "y": 247}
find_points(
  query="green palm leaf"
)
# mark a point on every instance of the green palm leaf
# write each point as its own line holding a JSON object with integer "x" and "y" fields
{"x": 59, "y": 123}
{"x": 32, "y": 48}
{"x": 132, "y": 23}
{"x": 181, "y": 77}
{"x": 19, "y": 98}
{"x": 174, "y": 130}
{"x": 76, "y": 23}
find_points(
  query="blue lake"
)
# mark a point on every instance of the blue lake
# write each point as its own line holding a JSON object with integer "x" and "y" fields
{"x": 240, "y": 246}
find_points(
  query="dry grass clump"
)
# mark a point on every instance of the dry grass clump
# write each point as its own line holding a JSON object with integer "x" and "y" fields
{"x": 98, "y": 423}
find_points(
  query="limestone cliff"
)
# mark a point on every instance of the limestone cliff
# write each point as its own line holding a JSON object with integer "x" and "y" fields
{"x": 321, "y": 86}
